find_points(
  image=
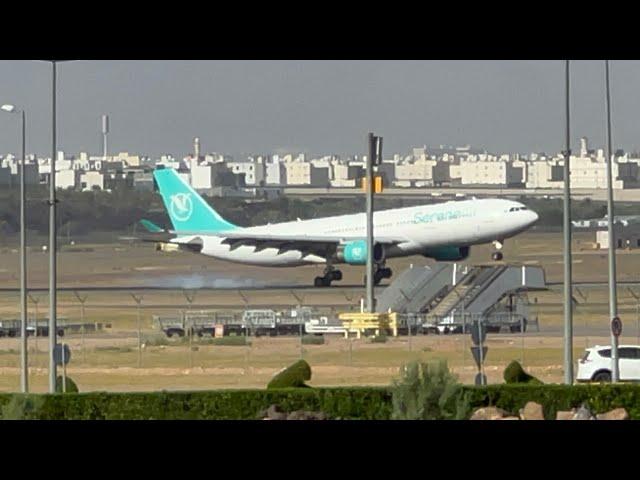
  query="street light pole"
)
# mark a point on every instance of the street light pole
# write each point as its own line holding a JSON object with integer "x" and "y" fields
{"x": 24, "y": 364}
{"x": 568, "y": 307}
{"x": 613, "y": 297}
{"x": 369, "y": 192}
{"x": 53, "y": 333}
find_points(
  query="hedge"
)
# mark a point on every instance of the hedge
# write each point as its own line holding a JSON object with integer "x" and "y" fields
{"x": 337, "y": 403}
{"x": 599, "y": 398}
{"x": 357, "y": 403}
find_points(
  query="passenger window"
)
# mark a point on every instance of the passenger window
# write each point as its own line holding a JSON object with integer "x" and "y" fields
{"x": 605, "y": 353}
{"x": 628, "y": 353}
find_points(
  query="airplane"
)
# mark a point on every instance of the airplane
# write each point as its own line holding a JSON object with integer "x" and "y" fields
{"x": 444, "y": 232}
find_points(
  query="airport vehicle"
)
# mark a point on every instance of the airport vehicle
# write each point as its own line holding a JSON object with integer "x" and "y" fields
{"x": 322, "y": 325}
{"x": 443, "y": 231}
{"x": 595, "y": 365}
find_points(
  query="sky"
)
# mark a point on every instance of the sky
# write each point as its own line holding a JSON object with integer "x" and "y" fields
{"x": 318, "y": 107}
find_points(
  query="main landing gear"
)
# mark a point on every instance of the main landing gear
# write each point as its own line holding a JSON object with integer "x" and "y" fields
{"x": 330, "y": 274}
{"x": 497, "y": 255}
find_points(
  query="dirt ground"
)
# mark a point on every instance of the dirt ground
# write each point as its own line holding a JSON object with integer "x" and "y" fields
{"x": 110, "y": 360}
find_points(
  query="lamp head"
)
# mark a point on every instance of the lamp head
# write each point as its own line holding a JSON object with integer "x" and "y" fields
{"x": 8, "y": 108}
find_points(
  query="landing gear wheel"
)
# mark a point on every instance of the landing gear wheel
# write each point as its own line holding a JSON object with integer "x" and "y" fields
{"x": 386, "y": 272}
{"x": 496, "y": 256}
{"x": 322, "y": 282}
{"x": 336, "y": 275}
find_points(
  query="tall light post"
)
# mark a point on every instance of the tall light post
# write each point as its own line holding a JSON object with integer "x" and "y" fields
{"x": 53, "y": 300}
{"x": 613, "y": 296}
{"x": 24, "y": 365}
{"x": 568, "y": 307}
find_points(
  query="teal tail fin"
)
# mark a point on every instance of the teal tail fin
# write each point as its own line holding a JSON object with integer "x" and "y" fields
{"x": 187, "y": 210}
{"x": 150, "y": 226}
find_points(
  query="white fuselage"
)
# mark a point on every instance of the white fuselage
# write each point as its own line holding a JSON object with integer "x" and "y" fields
{"x": 456, "y": 223}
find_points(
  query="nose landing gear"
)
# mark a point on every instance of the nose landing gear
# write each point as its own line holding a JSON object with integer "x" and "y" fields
{"x": 497, "y": 255}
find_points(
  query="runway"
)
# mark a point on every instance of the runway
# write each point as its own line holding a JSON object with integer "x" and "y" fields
{"x": 99, "y": 288}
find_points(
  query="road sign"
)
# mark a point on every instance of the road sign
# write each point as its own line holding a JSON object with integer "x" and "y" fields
{"x": 476, "y": 354}
{"x": 478, "y": 333}
{"x": 481, "y": 379}
{"x": 60, "y": 354}
{"x": 616, "y": 326}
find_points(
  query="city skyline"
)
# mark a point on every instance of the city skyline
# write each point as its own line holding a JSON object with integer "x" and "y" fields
{"x": 317, "y": 107}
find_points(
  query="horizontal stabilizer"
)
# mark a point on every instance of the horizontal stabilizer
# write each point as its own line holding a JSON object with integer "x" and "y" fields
{"x": 150, "y": 226}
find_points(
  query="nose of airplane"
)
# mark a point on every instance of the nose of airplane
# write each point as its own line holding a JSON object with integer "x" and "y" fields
{"x": 533, "y": 217}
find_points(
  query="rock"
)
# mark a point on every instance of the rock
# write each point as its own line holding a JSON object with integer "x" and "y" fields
{"x": 565, "y": 414}
{"x": 615, "y": 414}
{"x": 583, "y": 413}
{"x": 274, "y": 413}
{"x": 304, "y": 415}
{"x": 532, "y": 411}
{"x": 489, "y": 413}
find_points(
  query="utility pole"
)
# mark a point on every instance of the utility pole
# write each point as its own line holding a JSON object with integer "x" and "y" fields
{"x": 568, "y": 307}
{"x": 613, "y": 296}
{"x": 374, "y": 158}
{"x": 24, "y": 363}
{"x": 53, "y": 328}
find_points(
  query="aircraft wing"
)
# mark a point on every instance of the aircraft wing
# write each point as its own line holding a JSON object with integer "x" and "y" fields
{"x": 317, "y": 244}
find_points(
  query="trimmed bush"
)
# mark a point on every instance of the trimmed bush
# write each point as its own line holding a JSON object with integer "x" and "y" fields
{"x": 336, "y": 403}
{"x": 70, "y": 385}
{"x": 22, "y": 407}
{"x": 313, "y": 340}
{"x": 155, "y": 340}
{"x": 355, "y": 403}
{"x": 429, "y": 391}
{"x": 514, "y": 373}
{"x": 293, "y": 376}
{"x": 240, "y": 340}
{"x": 379, "y": 339}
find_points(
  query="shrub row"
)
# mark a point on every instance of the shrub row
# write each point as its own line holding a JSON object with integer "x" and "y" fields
{"x": 337, "y": 403}
{"x": 363, "y": 403}
{"x": 599, "y": 398}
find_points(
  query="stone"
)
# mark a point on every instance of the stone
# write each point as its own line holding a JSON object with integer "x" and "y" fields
{"x": 615, "y": 414}
{"x": 274, "y": 413}
{"x": 532, "y": 411}
{"x": 565, "y": 414}
{"x": 583, "y": 413}
{"x": 488, "y": 413}
{"x": 305, "y": 415}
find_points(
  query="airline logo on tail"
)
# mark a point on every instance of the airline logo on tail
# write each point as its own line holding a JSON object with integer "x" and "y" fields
{"x": 181, "y": 206}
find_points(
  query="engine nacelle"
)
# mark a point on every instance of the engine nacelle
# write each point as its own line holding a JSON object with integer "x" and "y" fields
{"x": 355, "y": 253}
{"x": 447, "y": 254}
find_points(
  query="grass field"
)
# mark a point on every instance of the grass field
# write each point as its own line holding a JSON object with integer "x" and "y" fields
{"x": 109, "y": 360}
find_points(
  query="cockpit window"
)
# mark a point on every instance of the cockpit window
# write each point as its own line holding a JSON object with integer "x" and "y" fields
{"x": 517, "y": 209}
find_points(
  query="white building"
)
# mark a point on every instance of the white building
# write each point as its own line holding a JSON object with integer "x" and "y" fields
{"x": 89, "y": 180}
{"x": 275, "y": 172}
{"x": 254, "y": 171}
